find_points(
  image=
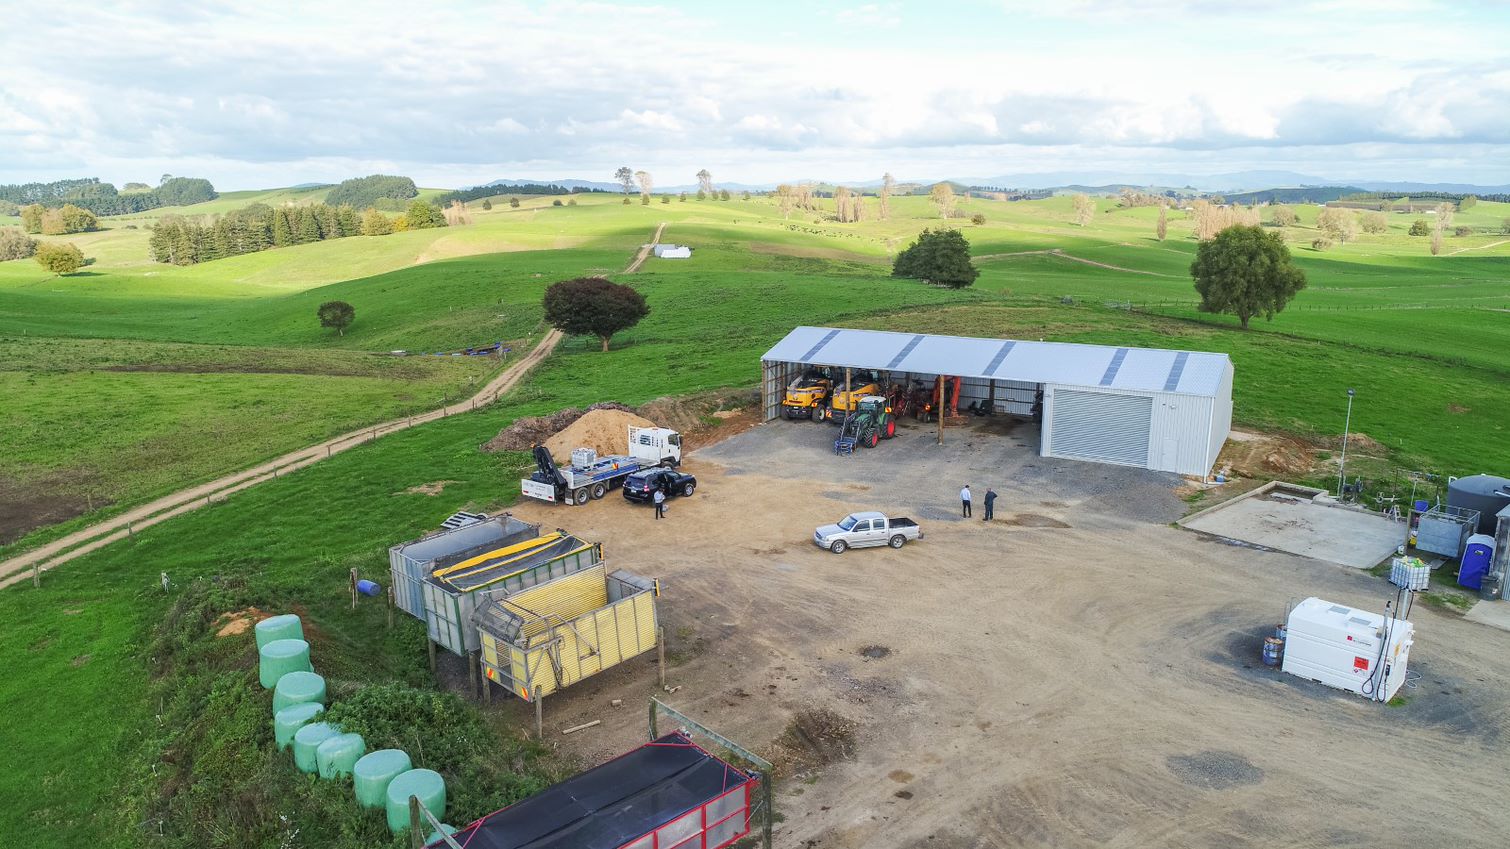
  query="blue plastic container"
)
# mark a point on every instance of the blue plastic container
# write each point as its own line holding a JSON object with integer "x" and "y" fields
{"x": 369, "y": 588}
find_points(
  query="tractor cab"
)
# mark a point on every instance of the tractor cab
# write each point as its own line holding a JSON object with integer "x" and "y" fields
{"x": 871, "y": 422}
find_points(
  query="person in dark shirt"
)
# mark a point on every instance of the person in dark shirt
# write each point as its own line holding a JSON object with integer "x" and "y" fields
{"x": 990, "y": 504}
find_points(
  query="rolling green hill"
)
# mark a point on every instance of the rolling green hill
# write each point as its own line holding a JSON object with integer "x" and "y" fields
{"x": 1377, "y": 299}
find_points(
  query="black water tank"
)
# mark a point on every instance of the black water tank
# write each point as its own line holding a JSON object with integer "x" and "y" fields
{"x": 1487, "y": 494}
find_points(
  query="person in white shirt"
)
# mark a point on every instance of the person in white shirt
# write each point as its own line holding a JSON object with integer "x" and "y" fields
{"x": 660, "y": 503}
{"x": 964, "y": 499}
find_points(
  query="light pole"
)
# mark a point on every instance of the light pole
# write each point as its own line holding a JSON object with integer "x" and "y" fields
{"x": 1342, "y": 465}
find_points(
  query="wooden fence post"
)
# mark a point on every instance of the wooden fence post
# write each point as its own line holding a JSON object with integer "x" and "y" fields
{"x": 660, "y": 648}
{"x": 416, "y": 835}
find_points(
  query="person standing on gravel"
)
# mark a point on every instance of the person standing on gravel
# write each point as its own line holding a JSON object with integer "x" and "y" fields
{"x": 990, "y": 504}
{"x": 964, "y": 501}
{"x": 660, "y": 503}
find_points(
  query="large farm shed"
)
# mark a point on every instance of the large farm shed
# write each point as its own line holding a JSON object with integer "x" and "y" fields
{"x": 1155, "y": 409}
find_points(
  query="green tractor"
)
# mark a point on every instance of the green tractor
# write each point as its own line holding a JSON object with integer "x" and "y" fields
{"x": 871, "y": 422}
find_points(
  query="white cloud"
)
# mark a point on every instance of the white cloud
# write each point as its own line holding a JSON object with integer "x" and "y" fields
{"x": 463, "y": 94}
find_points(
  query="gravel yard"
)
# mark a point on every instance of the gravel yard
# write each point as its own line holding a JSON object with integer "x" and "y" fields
{"x": 1076, "y": 673}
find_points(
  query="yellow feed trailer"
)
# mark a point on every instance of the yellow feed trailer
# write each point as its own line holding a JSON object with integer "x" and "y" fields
{"x": 537, "y": 640}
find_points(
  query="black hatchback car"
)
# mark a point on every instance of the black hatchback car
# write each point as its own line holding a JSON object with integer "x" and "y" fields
{"x": 641, "y": 486}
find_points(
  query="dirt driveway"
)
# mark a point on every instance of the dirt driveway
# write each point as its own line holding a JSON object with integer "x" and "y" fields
{"x": 1078, "y": 673}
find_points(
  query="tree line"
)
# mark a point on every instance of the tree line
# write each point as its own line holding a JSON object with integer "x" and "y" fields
{"x": 479, "y": 192}
{"x": 103, "y": 199}
{"x": 362, "y": 192}
{"x": 185, "y": 241}
{"x": 67, "y": 218}
{"x": 1460, "y": 199}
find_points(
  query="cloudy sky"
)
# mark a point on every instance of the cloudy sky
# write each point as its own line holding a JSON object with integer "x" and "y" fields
{"x": 257, "y": 94}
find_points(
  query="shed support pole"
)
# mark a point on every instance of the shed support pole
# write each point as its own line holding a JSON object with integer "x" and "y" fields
{"x": 430, "y": 647}
{"x": 487, "y": 689}
{"x": 991, "y": 400}
{"x": 653, "y": 723}
{"x": 539, "y": 718}
{"x": 472, "y": 670}
{"x": 938, "y": 405}
{"x": 848, "y": 401}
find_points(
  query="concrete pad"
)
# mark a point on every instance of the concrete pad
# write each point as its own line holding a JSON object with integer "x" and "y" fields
{"x": 1326, "y": 532}
{"x": 1495, "y": 614}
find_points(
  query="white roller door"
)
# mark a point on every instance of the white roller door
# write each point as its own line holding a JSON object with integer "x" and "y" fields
{"x": 1100, "y": 426}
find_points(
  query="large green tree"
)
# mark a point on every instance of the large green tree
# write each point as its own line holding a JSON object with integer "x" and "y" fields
{"x": 15, "y": 245}
{"x": 593, "y": 306}
{"x": 422, "y": 216}
{"x": 60, "y": 257}
{"x": 337, "y": 314}
{"x": 1245, "y": 271}
{"x": 938, "y": 256}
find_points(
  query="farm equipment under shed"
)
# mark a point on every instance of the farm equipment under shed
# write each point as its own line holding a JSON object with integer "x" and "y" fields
{"x": 870, "y": 423}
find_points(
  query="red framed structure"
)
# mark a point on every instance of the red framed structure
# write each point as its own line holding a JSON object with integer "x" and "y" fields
{"x": 668, "y": 794}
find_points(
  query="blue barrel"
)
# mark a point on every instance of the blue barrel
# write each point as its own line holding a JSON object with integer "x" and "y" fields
{"x": 1273, "y": 648}
{"x": 371, "y": 588}
{"x": 1422, "y": 505}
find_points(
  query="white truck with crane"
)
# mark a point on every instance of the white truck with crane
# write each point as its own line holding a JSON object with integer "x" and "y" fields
{"x": 590, "y": 477}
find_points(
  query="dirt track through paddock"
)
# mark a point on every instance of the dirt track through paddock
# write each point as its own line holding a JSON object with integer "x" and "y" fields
{"x": 1059, "y": 252}
{"x": 1092, "y": 685}
{"x": 96, "y": 536}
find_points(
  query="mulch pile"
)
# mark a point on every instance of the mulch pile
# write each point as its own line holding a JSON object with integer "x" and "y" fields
{"x": 524, "y": 434}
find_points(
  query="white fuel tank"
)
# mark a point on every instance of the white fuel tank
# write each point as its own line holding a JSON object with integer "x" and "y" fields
{"x": 1340, "y": 646}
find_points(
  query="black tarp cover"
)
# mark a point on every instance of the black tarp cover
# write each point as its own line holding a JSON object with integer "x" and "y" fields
{"x": 610, "y": 805}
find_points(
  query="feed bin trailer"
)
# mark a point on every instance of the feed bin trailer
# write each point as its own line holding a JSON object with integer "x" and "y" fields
{"x": 452, "y": 593}
{"x": 410, "y": 563}
{"x": 538, "y": 640}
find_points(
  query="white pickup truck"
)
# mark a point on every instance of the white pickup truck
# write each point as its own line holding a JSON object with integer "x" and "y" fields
{"x": 860, "y": 530}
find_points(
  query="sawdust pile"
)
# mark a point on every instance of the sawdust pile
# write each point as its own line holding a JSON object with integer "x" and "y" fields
{"x": 530, "y": 431}
{"x": 604, "y": 431}
{"x": 238, "y": 622}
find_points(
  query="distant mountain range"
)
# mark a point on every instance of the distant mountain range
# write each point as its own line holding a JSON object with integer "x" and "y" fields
{"x": 1102, "y": 181}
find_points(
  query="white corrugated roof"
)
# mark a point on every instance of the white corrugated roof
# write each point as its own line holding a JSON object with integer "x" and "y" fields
{"x": 1145, "y": 369}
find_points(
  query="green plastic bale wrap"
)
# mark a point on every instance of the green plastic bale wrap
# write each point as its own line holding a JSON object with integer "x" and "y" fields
{"x": 285, "y": 627}
{"x": 337, "y": 755}
{"x": 297, "y": 688}
{"x": 427, "y": 784}
{"x": 307, "y": 741}
{"x": 435, "y": 835}
{"x": 280, "y": 657}
{"x": 374, "y": 771}
{"x": 287, "y": 722}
